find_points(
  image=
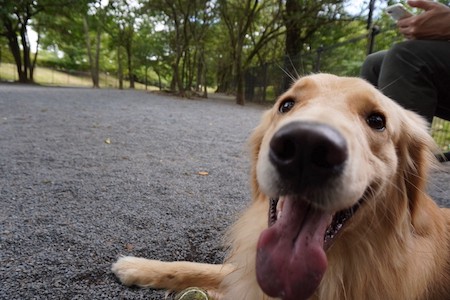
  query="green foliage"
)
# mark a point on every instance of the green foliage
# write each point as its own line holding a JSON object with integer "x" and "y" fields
{"x": 5, "y": 54}
{"x": 63, "y": 39}
{"x": 188, "y": 44}
{"x": 344, "y": 47}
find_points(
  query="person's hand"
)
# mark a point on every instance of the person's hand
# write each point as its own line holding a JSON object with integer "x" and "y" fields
{"x": 432, "y": 24}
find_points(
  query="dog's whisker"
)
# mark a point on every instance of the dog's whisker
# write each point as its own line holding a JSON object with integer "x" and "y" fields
{"x": 292, "y": 77}
{"x": 293, "y": 67}
{"x": 391, "y": 83}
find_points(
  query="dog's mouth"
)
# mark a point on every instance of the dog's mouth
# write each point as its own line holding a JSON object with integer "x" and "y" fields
{"x": 337, "y": 223}
{"x": 291, "y": 257}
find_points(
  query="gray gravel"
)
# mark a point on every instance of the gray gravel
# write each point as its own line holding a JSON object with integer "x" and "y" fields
{"x": 71, "y": 202}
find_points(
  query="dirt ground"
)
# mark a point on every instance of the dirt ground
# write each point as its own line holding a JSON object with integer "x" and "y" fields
{"x": 87, "y": 175}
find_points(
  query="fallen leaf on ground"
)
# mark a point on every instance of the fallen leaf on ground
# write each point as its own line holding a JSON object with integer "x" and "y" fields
{"x": 129, "y": 247}
{"x": 108, "y": 141}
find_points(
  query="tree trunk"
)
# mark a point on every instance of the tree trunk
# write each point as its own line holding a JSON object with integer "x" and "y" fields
{"x": 92, "y": 64}
{"x": 239, "y": 72}
{"x": 119, "y": 68}
{"x": 177, "y": 77}
{"x": 201, "y": 74}
{"x": 130, "y": 66}
{"x": 26, "y": 51}
{"x": 224, "y": 78}
{"x": 159, "y": 81}
{"x": 33, "y": 64}
{"x": 205, "y": 87}
{"x": 96, "y": 76}
{"x": 293, "y": 42}
{"x": 146, "y": 77}
{"x": 240, "y": 98}
{"x": 173, "y": 81}
{"x": 13, "y": 43}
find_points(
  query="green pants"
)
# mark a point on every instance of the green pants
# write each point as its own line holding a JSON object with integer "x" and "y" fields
{"x": 414, "y": 73}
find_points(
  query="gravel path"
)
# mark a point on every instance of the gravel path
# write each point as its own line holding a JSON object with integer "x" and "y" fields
{"x": 87, "y": 175}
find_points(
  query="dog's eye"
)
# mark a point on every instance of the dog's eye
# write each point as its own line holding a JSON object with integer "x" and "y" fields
{"x": 286, "y": 106}
{"x": 376, "y": 121}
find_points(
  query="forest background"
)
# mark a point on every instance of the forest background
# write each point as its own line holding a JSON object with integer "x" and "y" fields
{"x": 248, "y": 48}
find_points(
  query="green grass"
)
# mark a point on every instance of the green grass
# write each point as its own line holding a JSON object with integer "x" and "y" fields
{"x": 8, "y": 72}
{"x": 440, "y": 130}
{"x": 46, "y": 76}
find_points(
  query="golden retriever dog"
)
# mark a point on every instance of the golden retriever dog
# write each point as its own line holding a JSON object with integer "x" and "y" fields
{"x": 339, "y": 210}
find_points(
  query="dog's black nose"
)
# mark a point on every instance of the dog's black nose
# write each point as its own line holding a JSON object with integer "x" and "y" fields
{"x": 307, "y": 153}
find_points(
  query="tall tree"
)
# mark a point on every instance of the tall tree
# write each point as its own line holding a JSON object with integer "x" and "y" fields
{"x": 122, "y": 26}
{"x": 303, "y": 18}
{"x": 240, "y": 19}
{"x": 93, "y": 51}
{"x": 186, "y": 23}
{"x": 15, "y": 18}
{"x": 151, "y": 51}
{"x": 94, "y": 25}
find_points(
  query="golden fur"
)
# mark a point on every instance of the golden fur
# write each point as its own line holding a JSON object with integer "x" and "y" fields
{"x": 396, "y": 246}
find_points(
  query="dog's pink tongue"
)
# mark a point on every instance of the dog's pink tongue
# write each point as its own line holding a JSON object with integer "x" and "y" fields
{"x": 291, "y": 261}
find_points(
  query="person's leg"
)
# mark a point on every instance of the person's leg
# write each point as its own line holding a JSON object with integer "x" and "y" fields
{"x": 370, "y": 70}
{"x": 416, "y": 74}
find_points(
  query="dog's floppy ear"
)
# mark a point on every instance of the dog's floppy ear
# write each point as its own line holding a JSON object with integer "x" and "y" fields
{"x": 416, "y": 148}
{"x": 255, "y": 146}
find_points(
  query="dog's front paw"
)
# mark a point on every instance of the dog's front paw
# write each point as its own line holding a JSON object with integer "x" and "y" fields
{"x": 130, "y": 271}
